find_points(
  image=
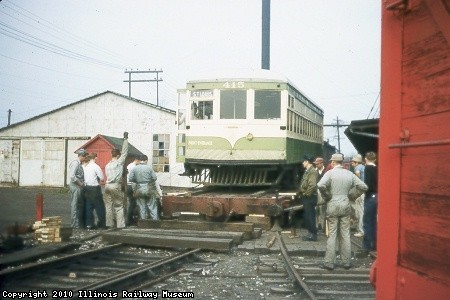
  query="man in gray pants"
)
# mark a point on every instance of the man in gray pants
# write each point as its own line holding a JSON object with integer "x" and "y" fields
{"x": 145, "y": 189}
{"x": 338, "y": 187}
{"x": 76, "y": 187}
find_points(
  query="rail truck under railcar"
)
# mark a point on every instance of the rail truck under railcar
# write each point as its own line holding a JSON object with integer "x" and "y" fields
{"x": 413, "y": 260}
{"x": 246, "y": 128}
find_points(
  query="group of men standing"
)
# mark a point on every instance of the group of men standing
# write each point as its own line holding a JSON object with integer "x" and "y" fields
{"x": 86, "y": 193}
{"x": 330, "y": 193}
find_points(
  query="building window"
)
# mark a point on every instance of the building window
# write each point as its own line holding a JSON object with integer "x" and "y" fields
{"x": 161, "y": 146}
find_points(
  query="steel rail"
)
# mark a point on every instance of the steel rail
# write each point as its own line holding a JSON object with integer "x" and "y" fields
{"x": 291, "y": 269}
{"x": 27, "y": 269}
{"x": 114, "y": 281}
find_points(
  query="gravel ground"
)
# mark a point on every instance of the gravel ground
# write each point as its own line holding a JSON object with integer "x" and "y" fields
{"x": 232, "y": 275}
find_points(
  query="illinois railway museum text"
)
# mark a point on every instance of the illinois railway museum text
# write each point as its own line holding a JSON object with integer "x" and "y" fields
{"x": 95, "y": 294}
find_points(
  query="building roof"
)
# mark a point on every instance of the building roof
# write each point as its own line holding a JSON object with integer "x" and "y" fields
{"x": 113, "y": 142}
{"x": 363, "y": 134}
{"x": 87, "y": 99}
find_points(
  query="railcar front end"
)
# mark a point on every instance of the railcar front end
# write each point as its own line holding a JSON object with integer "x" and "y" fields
{"x": 246, "y": 130}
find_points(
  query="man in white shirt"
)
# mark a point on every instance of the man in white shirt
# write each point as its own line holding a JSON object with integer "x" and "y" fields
{"x": 93, "y": 176}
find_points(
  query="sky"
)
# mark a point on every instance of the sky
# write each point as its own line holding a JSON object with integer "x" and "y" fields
{"x": 56, "y": 52}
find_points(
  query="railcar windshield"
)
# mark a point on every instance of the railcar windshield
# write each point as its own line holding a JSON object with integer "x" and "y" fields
{"x": 267, "y": 104}
{"x": 202, "y": 110}
{"x": 233, "y": 104}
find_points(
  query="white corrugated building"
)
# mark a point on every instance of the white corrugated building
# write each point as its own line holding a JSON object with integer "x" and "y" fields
{"x": 37, "y": 151}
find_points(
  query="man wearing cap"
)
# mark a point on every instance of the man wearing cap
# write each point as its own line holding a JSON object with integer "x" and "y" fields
{"x": 147, "y": 190}
{"x": 358, "y": 204}
{"x": 321, "y": 205}
{"x": 308, "y": 194}
{"x": 76, "y": 185}
{"x": 337, "y": 187}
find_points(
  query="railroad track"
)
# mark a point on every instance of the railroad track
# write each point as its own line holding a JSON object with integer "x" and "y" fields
{"x": 111, "y": 272}
{"x": 305, "y": 279}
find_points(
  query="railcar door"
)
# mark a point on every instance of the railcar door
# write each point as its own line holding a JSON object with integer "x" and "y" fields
{"x": 414, "y": 151}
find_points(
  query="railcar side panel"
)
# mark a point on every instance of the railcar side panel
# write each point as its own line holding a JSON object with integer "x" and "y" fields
{"x": 414, "y": 186}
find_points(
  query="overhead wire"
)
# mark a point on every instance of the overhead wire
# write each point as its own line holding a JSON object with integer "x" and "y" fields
{"x": 373, "y": 105}
{"x": 42, "y": 44}
{"x": 42, "y": 22}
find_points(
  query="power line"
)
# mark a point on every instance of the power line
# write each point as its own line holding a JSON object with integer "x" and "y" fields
{"x": 338, "y": 127}
{"x": 39, "y": 43}
{"x": 373, "y": 105}
{"x": 42, "y": 22}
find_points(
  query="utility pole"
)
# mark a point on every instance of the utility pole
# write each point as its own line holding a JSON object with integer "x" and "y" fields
{"x": 9, "y": 116}
{"x": 157, "y": 80}
{"x": 338, "y": 126}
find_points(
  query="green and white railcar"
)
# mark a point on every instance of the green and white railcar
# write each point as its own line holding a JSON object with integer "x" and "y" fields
{"x": 246, "y": 128}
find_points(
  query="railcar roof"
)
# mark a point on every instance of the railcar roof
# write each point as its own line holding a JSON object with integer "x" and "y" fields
{"x": 257, "y": 75}
{"x": 239, "y": 74}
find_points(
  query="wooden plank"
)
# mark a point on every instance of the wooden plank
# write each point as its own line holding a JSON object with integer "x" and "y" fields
{"x": 169, "y": 241}
{"x": 194, "y": 225}
{"x": 237, "y": 237}
{"x": 260, "y": 221}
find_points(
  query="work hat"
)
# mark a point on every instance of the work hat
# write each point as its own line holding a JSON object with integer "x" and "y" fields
{"x": 357, "y": 158}
{"x": 82, "y": 152}
{"x": 318, "y": 160}
{"x": 337, "y": 157}
{"x": 143, "y": 157}
{"x": 309, "y": 158}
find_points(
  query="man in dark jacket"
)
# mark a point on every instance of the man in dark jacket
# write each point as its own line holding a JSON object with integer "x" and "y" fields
{"x": 370, "y": 203}
{"x": 308, "y": 194}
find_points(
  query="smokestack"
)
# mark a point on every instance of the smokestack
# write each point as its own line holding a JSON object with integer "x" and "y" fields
{"x": 265, "y": 35}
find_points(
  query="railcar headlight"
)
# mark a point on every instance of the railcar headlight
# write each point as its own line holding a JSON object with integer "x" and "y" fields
{"x": 249, "y": 137}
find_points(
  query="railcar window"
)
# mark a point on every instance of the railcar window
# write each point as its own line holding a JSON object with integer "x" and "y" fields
{"x": 267, "y": 105}
{"x": 201, "y": 110}
{"x": 233, "y": 104}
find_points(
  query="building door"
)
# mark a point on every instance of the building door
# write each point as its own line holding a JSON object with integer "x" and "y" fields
{"x": 414, "y": 185}
{"x": 42, "y": 163}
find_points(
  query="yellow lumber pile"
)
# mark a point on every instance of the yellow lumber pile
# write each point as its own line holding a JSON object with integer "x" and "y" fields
{"x": 49, "y": 230}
